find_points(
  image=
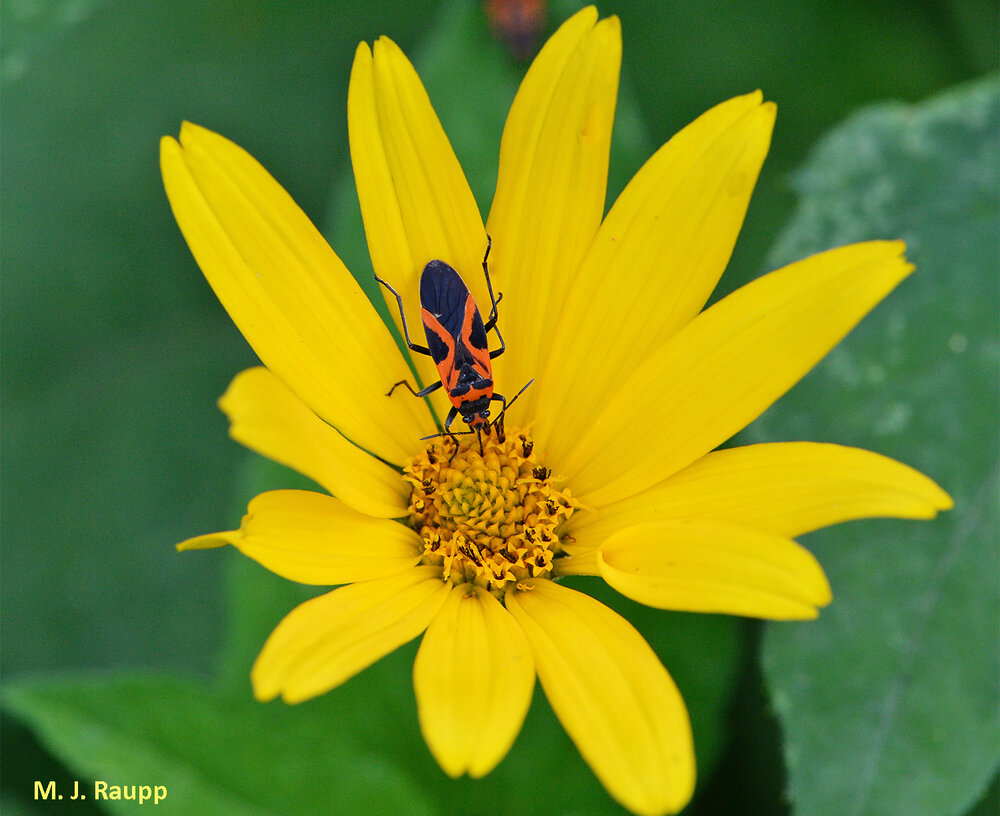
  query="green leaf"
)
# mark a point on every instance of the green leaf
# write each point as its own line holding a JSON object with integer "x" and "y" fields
{"x": 989, "y": 805}
{"x": 889, "y": 702}
{"x": 114, "y": 347}
{"x": 211, "y": 752}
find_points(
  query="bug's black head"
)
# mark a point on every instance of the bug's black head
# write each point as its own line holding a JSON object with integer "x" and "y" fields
{"x": 476, "y": 413}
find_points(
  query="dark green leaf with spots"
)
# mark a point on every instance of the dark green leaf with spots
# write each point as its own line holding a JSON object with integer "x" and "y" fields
{"x": 889, "y": 702}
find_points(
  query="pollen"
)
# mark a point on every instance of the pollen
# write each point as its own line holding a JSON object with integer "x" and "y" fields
{"x": 489, "y": 518}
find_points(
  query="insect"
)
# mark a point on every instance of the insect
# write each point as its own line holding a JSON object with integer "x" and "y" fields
{"x": 457, "y": 342}
{"x": 517, "y": 23}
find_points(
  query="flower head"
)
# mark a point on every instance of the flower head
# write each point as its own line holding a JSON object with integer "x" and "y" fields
{"x": 608, "y": 464}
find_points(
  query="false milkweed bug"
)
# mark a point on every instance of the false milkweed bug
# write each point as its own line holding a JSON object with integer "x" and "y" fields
{"x": 457, "y": 342}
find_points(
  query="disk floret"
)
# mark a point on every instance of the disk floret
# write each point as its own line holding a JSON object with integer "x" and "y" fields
{"x": 490, "y": 518}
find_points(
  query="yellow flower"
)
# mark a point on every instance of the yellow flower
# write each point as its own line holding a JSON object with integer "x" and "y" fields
{"x": 608, "y": 466}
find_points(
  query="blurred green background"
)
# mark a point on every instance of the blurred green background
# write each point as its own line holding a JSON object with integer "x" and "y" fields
{"x": 115, "y": 349}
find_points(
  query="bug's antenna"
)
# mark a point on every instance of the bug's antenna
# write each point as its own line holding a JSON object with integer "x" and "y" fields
{"x": 514, "y": 398}
{"x": 452, "y": 434}
{"x": 498, "y": 422}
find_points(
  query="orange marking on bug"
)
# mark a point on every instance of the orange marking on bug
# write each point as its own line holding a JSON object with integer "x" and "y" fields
{"x": 446, "y": 366}
{"x": 480, "y": 355}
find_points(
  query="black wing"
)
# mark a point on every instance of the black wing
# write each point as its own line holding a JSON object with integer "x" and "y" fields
{"x": 444, "y": 294}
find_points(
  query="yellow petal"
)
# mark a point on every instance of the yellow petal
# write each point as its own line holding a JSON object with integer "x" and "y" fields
{"x": 722, "y": 370}
{"x": 313, "y": 538}
{"x": 329, "y": 639}
{"x": 551, "y": 187}
{"x": 267, "y": 417}
{"x": 785, "y": 488}
{"x": 656, "y": 258}
{"x": 473, "y": 678}
{"x": 578, "y": 559}
{"x": 288, "y": 293}
{"x": 415, "y": 201}
{"x": 612, "y": 695}
{"x": 702, "y": 566}
{"x": 208, "y": 541}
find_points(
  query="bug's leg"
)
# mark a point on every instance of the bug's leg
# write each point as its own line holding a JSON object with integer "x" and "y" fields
{"x": 494, "y": 299}
{"x": 406, "y": 332}
{"x": 423, "y": 392}
{"x": 498, "y": 422}
{"x": 503, "y": 346}
{"x": 447, "y": 430}
{"x": 454, "y": 453}
{"x": 491, "y": 323}
{"x": 501, "y": 430}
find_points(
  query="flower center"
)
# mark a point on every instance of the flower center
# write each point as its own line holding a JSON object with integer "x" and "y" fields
{"x": 486, "y": 518}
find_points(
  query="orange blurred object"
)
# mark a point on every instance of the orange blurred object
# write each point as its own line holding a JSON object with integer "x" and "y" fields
{"x": 518, "y": 23}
